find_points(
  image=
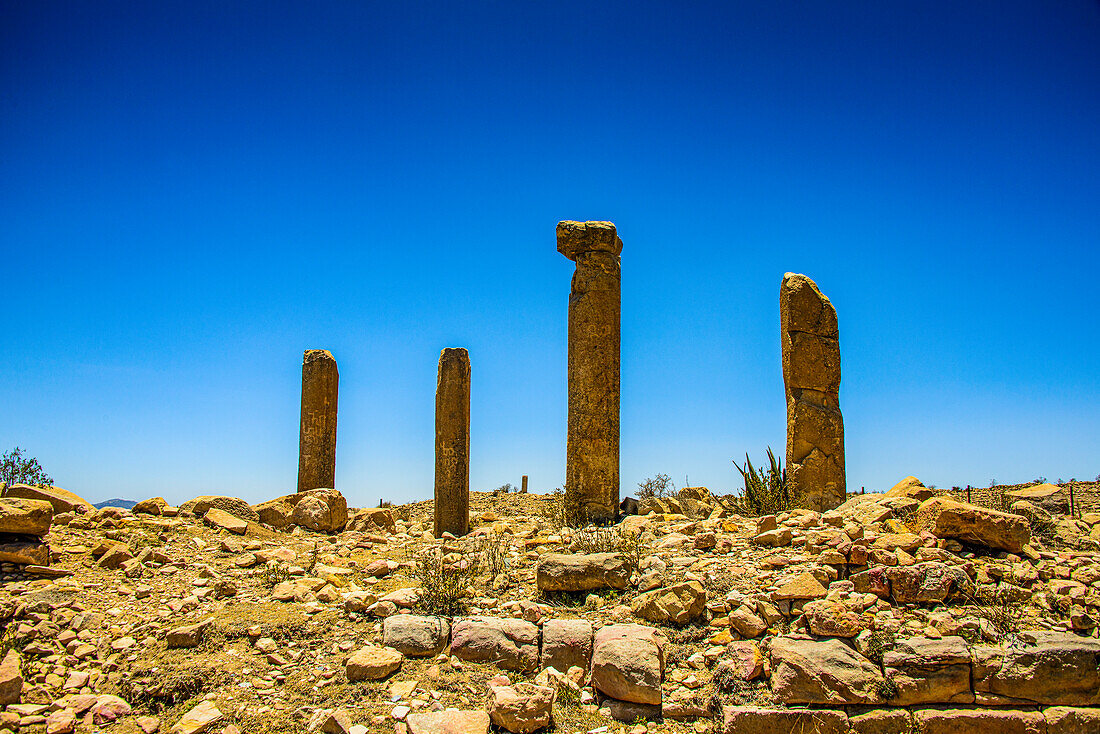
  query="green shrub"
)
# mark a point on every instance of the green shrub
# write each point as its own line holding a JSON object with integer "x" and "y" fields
{"x": 766, "y": 490}
{"x": 444, "y": 587}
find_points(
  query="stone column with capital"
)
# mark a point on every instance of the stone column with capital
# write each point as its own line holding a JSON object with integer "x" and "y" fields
{"x": 811, "y": 378}
{"x": 317, "y": 438}
{"x": 452, "y": 443}
{"x": 592, "y": 445}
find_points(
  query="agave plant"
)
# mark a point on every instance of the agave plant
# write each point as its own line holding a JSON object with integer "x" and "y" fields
{"x": 766, "y": 490}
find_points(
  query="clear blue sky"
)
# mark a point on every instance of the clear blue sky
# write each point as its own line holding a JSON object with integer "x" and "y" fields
{"x": 192, "y": 193}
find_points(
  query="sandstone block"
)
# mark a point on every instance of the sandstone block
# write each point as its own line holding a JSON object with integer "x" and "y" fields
{"x": 753, "y": 720}
{"x": 520, "y": 708}
{"x": 928, "y": 670}
{"x": 510, "y": 644}
{"x": 62, "y": 500}
{"x": 416, "y": 636}
{"x": 448, "y": 722}
{"x": 24, "y": 516}
{"x": 978, "y": 721}
{"x": 235, "y": 506}
{"x": 372, "y": 662}
{"x": 968, "y": 523}
{"x": 198, "y": 719}
{"x": 678, "y": 604}
{"x": 628, "y": 662}
{"x": 11, "y": 678}
{"x": 152, "y": 506}
{"x": 822, "y": 672}
{"x": 216, "y": 518}
{"x": 566, "y": 643}
{"x": 582, "y": 572}
{"x": 1050, "y": 668}
{"x": 24, "y": 549}
{"x": 1072, "y": 720}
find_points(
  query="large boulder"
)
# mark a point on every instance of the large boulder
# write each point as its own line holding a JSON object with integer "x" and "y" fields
{"x": 1048, "y": 668}
{"x": 521, "y": 708}
{"x": 27, "y": 517}
{"x": 416, "y": 636}
{"x": 822, "y": 672}
{"x": 628, "y": 662}
{"x": 678, "y": 604}
{"x": 582, "y": 572}
{"x": 217, "y": 518}
{"x": 61, "y": 499}
{"x": 371, "y": 518}
{"x": 911, "y": 487}
{"x": 510, "y": 644}
{"x": 968, "y": 523}
{"x": 931, "y": 582}
{"x": 235, "y": 506}
{"x": 151, "y": 506}
{"x": 320, "y": 510}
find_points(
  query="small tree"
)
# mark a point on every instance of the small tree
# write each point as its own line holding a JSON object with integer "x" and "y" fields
{"x": 654, "y": 487}
{"x": 15, "y": 469}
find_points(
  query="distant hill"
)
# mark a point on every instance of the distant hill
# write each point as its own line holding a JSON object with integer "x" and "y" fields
{"x": 124, "y": 504}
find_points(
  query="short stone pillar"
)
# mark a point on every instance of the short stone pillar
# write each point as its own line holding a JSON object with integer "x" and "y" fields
{"x": 592, "y": 445}
{"x": 317, "y": 437}
{"x": 811, "y": 376}
{"x": 452, "y": 443}
{"x": 523, "y": 485}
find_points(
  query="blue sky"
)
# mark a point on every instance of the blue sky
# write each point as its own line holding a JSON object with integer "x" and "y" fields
{"x": 193, "y": 193}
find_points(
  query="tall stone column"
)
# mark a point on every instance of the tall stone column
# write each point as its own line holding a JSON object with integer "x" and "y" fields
{"x": 317, "y": 439}
{"x": 811, "y": 376}
{"x": 452, "y": 443}
{"x": 592, "y": 446}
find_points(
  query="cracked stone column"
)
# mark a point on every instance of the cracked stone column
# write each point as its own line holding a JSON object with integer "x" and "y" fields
{"x": 592, "y": 445}
{"x": 811, "y": 376}
{"x": 317, "y": 439}
{"x": 452, "y": 443}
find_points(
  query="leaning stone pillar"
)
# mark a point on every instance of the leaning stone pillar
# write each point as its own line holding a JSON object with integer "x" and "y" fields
{"x": 452, "y": 443}
{"x": 811, "y": 376}
{"x": 592, "y": 445}
{"x": 317, "y": 439}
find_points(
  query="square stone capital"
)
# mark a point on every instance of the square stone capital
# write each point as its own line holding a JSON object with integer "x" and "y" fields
{"x": 577, "y": 237}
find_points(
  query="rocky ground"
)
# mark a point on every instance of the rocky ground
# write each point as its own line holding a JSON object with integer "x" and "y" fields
{"x": 899, "y": 612}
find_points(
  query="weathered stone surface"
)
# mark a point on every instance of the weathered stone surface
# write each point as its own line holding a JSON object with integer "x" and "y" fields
{"x": 414, "y": 635}
{"x": 910, "y": 487}
{"x": 927, "y": 583}
{"x": 452, "y": 443}
{"x": 317, "y": 435}
{"x": 592, "y": 446}
{"x": 1052, "y": 668}
{"x": 275, "y": 513}
{"x": 744, "y": 661}
{"x": 566, "y": 643}
{"x": 520, "y": 708}
{"x": 510, "y": 644}
{"x": 582, "y": 572}
{"x": 370, "y": 518}
{"x": 221, "y": 519}
{"x": 630, "y": 711}
{"x": 28, "y": 517}
{"x": 747, "y": 622}
{"x": 929, "y": 670}
{"x": 978, "y": 721}
{"x": 151, "y": 506}
{"x": 322, "y": 510}
{"x": 448, "y": 722}
{"x": 235, "y": 506}
{"x": 678, "y": 604}
{"x": 803, "y": 586}
{"x": 189, "y": 635}
{"x": 968, "y": 523}
{"x": 832, "y": 619}
{"x": 24, "y": 549}
{"x": 880, "y": 721}
{"x": 822, "y": 672}
{"x": 753, "y": 720}
{"x": 372, "y": 662}
{"x": 11, "y": 678}
{"x": 628, "y": 662}
{"x": 1072, "y": 720}
{"x": 811, "y": 376}
{"x": 62, "y": 500}
{"x": 198, "y": 719}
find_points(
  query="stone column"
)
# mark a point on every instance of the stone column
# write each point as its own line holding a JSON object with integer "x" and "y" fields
{"x": 452, "y": 443}
{"x": 592, "y": 446}
{"x": 317, "y": 439}
{"x": 523, "y": 485}
{"x": 811, "y": 376}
